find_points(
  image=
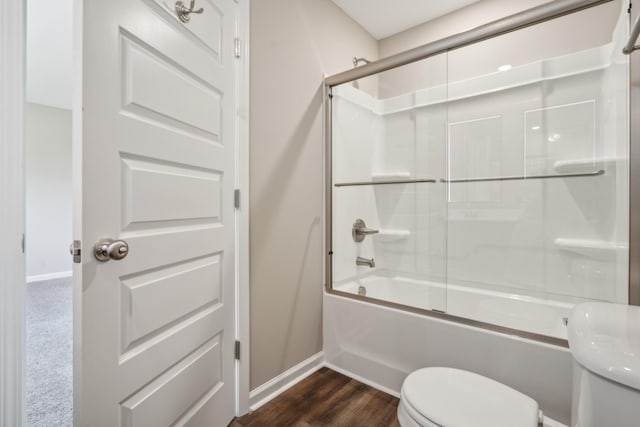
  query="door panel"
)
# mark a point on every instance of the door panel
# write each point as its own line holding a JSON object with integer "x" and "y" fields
{"x": 188, "y": 286}
{"x": 196, "y": 103}
{"x": 158, "y": 172}
{"x": 168, "y": 397}
{"x": 187, "y": 193}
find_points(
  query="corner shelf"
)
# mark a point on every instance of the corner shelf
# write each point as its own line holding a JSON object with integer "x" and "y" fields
{"x": 387, "y": 176}
{"x": 392, "y": 235}
{"x": 596, "y": 249}
{"x": 585, "y": 165}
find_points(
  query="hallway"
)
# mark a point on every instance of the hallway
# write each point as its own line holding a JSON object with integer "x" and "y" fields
{"x": 49, "y": 353}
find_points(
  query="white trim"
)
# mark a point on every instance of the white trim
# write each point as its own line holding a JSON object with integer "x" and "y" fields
{"x": 76, "y": 171}
{"x": 550, "y": 422}
{"x": 242, "y": 180}
{"x": 362, "y": 379}
{"x": 49, "y": 276}
{"x": 12, "y": 209}
{"x": 285, "y": 380}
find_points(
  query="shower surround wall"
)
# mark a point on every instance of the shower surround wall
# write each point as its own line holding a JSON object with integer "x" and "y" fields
{"x": 559, "y": 238}
{"x": 561, "y": 112}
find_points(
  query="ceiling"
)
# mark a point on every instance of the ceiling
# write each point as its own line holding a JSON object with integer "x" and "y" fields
{"x": 384, "y": 18}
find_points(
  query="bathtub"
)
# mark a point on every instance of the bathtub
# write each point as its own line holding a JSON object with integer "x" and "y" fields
{"x": 525, "y": 313}
{"x": 381, "y": 344}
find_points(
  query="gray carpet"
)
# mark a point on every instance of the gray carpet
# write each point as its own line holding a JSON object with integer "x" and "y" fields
{"x": 49, "y": 353}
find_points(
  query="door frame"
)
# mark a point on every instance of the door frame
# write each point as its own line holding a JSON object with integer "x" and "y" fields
{"x": 12, "y": 208}
{"x": 243, "y": 308}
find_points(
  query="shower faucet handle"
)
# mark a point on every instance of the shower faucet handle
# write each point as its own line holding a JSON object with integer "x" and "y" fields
{"x": 360, "y": 230}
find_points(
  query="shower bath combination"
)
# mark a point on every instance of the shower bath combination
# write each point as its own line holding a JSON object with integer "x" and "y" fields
{"x": 494, "y": 167}
{"x": 479, "y": 184}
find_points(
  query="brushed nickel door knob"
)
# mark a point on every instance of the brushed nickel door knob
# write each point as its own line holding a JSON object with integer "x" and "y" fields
{"x": 106, "y": 249}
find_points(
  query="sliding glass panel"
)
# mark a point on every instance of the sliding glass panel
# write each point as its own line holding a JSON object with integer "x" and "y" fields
{"x": 537, "y": 188}
{"x": 491, "y": 182}
{"x": 388, "y": 159}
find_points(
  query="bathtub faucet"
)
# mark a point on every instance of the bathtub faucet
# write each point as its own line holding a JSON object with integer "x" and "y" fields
{"x": 365, "y": 261}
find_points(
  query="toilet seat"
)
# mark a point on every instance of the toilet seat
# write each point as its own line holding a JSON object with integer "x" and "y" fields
{"x": 447, "y": 397}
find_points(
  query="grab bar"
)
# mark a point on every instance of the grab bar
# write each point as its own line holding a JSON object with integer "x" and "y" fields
{"x": 631, "y": 43}
{"x": 515, "y": 178}
{"x": 391, "y": 181}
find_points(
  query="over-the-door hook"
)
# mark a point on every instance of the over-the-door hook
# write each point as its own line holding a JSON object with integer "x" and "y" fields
{"x": 184, "y": 12}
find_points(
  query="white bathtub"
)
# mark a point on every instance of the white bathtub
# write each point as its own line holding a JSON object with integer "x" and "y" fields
{"x": 381, "y": 345}
{"x": 526, "y": 313}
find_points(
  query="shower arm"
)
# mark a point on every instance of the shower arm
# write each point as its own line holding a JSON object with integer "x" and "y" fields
{"x": 357, "y": 61}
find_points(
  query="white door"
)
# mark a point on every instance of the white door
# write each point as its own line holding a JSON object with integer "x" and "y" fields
{"x": 158, "y": 173}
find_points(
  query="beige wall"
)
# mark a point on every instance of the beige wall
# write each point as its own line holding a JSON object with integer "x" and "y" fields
{"x": 48, "y": 189}
{"x": 453, "y": 23}
{"x": 293, "y": 44}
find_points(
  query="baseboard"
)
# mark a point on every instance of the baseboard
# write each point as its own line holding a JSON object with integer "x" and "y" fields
{"x": 284, "y": 381}
{"x": 362, "y": 379}
{"x": 550, "y": 422}
{"x": 49, "y": 276}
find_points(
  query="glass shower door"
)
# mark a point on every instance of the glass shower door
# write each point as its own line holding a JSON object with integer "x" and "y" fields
{"x": 388, "y": 158}
{"x": 490, "y": 182}
{"x": 537, "y": 152}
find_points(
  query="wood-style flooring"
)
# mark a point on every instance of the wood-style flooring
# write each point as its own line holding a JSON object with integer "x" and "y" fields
{"x": 326, "y": 398}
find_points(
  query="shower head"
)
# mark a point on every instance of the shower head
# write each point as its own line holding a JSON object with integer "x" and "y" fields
{"x": 356, "y": 61}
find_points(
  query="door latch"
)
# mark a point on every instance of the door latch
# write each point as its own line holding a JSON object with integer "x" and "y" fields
{"x": 76, "y": 251}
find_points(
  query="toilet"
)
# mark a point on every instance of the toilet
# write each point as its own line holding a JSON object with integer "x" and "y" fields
{"x": 604, "y": 340}
{"x": 447, "y": 397}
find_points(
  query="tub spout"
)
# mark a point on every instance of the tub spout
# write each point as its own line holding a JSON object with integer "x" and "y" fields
{"x": 365, "y": 261}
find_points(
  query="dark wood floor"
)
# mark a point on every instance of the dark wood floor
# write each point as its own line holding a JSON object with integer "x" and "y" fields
{"x": 326, "y": 398}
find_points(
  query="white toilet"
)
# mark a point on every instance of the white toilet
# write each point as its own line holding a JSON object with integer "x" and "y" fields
{"x": 604, "y": 340}
{"x": 447, "y": 397}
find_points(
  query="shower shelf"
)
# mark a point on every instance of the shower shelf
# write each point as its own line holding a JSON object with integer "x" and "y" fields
{"x": 596, "y": 249}
{"x": 389, "y": 235}
{"x": 386, "y": 176}
{"x": 584, "y": 165}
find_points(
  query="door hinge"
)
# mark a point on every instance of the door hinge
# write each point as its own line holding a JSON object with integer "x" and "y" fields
{"x": 236, "y": 47}
{"x": 76, "y": 251}
{"x": 24, "y": 243}
{"x": 237, "y": 351}
{"x": 236, "y": 198}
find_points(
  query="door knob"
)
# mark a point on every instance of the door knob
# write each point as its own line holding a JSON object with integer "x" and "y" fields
{"x": 106, "y": 249}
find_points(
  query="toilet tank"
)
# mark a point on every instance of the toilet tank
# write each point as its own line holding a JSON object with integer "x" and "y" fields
{"x": 604, "y": 340}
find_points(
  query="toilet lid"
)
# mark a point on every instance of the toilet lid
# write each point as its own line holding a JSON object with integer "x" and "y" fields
{"x": 455, "y": 398}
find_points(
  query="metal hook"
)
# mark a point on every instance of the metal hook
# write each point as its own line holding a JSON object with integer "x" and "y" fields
{"x": 184, "y": 12}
